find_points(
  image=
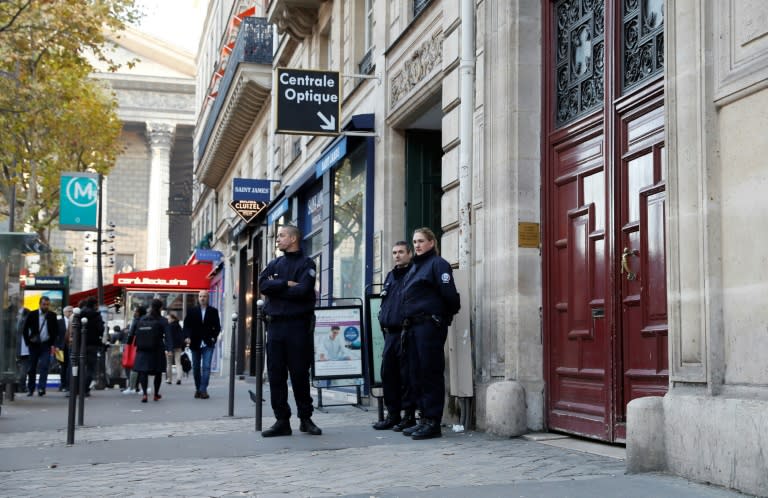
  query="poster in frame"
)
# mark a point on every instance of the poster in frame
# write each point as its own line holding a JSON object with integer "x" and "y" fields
{"x": 375, "y": 338}
{"x": 339, "y": 342}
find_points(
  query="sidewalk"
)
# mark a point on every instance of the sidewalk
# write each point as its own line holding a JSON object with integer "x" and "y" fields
{"x": 181, "y": 446}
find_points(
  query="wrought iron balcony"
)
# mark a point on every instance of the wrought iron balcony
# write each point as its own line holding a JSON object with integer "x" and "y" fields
{"x": 253, "y": 45}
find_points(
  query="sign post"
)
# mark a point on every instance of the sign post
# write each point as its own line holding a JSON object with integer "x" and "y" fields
{"x": 307, "y": 102}
{"x": 79, "y": 201}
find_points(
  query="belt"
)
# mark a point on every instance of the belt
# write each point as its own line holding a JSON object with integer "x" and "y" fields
{"x": 415, "y": 320}
{"x": 287, "y": 318}
{"x": 391, "y": 330}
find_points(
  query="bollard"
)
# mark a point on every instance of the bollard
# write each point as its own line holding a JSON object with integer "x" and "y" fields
{"x": 259, "y": 352}
{"x": 232, "y": 353}
{"x": 74, "y": 363}
{"x": 84, "y": 371}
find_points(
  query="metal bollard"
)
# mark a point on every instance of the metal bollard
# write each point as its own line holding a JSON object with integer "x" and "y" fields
{"x": 74, "y": 362}
{"x": 84, "y": 372}
{"x": 232, "y": 353}
{"x": 259, "y": 352}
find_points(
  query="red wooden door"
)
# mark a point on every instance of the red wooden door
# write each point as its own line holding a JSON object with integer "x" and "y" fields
{"x": 604, "y": 213}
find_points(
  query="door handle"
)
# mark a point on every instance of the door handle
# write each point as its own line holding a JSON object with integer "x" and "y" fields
{"x": 625, "y": 262}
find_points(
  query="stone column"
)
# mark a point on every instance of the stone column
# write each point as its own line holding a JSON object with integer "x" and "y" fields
{"x": 160, "y": 136}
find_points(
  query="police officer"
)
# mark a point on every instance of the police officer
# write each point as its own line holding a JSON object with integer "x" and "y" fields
{"x": 288, "y": 283}
{"x": 429, "y": 300}
{"x": 394, "y": 373}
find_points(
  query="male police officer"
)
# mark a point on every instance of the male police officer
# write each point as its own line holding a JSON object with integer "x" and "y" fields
{"x": 288, "y": 283}
{"x": 394, "y": 372}
{"x": 429, "y": 302}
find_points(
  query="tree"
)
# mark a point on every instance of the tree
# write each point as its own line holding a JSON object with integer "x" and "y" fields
{"x": 53, "y": 116}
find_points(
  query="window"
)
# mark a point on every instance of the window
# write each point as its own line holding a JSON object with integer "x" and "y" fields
{"x": 349, "y": 228}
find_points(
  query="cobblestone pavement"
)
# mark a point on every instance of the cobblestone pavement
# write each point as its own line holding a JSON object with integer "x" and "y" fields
{"x": 226, "y": 457}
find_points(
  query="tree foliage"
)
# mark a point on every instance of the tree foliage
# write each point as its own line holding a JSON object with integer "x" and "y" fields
{"x": 53, "y": 117}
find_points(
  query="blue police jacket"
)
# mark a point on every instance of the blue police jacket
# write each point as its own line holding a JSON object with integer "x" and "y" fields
{"x": 391, "y": 311}
{"x": 429, "y": 289}
{"x": 273, "y": 283}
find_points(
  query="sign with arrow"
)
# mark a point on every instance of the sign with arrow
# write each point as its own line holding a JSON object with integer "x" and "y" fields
{"x": 307, "y": 102}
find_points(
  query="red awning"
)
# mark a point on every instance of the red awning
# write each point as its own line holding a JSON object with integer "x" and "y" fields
{"x": 178, "y": 278}
{"x": 110, "y": 294}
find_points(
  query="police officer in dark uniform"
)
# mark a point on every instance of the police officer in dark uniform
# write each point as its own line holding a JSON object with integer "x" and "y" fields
{"x": 288, "y": 283}
{"x": 394, "y": 372}
{"x": 430, "y": 300}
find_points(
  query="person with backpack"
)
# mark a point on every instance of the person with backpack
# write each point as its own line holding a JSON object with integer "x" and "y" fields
{"x": 152, "y": 336}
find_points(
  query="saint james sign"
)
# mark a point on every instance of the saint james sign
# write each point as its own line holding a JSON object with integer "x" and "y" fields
{"x": 249, "y": 197}
{"x": 307, "y": 102}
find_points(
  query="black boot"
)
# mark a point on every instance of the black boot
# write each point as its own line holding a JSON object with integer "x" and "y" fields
{"x": 309, "y": 427}
{"x": 410, "y": 430}
{"x": 281, "y": 428}
{"x": 428, "y": 430}
{"x": 388, "y": 423}
{"x": 408, "y": 421}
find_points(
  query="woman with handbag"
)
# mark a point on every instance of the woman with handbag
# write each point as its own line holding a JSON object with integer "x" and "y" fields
{"x": 130, "y": 373}
{"x": 151, "y": 339}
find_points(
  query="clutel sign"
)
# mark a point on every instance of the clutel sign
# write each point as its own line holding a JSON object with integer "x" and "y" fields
{"x": 307, "y": 102}
{"x": 249, "y": 197}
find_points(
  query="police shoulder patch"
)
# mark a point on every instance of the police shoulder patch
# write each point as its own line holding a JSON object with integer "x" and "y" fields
{"x": 312, "y": 273}
{"x": 445, "y": 277}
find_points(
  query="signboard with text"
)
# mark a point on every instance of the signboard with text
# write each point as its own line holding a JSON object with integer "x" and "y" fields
{"x": 249, "y": 197}
{"x": 79, "y": 196}
{"x": 338, "y": 343}
{"x": 307, "y": 102}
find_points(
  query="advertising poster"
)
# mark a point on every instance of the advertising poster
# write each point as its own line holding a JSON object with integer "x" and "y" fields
{"x": 338, "y": 343}
{"x": 376, "y": 339}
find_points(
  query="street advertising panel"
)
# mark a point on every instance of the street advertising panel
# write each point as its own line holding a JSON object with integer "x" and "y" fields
{"x": 374, "y": 337}
{"x": 339, "y": 343}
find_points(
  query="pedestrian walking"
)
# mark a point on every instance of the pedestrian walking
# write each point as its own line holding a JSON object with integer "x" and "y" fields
{"x": 94, "y": 343}
{"x": 201, "y": 330}
{"x": 40, "y": 331}
{"x": 429, "y": 300}
{"x": 288, "y": 283}
{"x": 394, "y": 371}
{"x": 131, "y": 374}
{"x": 151, "y": 339}
{"x": 176, "y": 348}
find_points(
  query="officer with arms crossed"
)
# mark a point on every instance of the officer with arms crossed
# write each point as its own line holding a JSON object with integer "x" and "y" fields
{"x": 429, "y": 302}
{"x": 394, "y": 371}
{"x": 288, "y": 283}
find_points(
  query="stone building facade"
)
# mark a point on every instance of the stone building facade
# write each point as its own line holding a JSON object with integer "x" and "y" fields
{"x": 590, "y": 166}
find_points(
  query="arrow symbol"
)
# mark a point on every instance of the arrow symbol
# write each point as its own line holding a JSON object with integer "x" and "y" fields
{"x": 329, "y": 124}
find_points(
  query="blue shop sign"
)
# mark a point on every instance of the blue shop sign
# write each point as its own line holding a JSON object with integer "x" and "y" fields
{"x": 277, "y": 211}
{"x": 249, "y": 189}
{"x": 208, "y": 255}
{"x": 333, "y": 155}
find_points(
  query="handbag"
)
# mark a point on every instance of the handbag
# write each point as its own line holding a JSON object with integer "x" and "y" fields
{"x": 59, "y": 355}
{"x": 129, "y": 354}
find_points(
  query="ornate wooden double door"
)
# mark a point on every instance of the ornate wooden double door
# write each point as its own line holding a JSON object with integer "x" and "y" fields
{"x": 605, "y": 292}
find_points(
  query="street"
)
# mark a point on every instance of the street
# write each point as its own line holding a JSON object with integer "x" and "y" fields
{"x": 181, "y": 446}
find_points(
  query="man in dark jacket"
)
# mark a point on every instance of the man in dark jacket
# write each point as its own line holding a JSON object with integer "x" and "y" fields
{"x": 394, "y": 372}
{"x": 201, "y": 329}
{"x": 288, "y": 283}
{"x": 94, "y": 344}
{"x": 40, "y": 332}
{"x": 63, "y": 345}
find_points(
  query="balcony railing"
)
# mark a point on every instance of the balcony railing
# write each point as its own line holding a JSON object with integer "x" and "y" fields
{"x": 253, "y": 45}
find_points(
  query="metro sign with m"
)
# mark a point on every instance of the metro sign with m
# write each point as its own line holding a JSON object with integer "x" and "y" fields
{"x": 79, "y": 195}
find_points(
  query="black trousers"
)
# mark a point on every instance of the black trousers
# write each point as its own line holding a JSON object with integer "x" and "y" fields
{"x": 424, "y": 346}
{"x": 290, "y": 350}
{"x": 394, "y": 374}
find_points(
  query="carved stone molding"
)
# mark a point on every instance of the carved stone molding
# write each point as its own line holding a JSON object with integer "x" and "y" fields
{"x": 415, "y": 70}
{"x": 160, "y": 135}
{"x": 295, "y": 18}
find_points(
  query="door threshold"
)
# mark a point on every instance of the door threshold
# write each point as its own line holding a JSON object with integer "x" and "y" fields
{"x": 578, "y": 444}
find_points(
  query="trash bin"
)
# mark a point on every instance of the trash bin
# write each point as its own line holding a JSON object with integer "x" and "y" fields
{"x": 114, "y": 366}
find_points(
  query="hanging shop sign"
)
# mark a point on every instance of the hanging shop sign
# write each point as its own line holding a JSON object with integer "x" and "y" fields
{"x": 249, "y": 197}
{"x": 307, "y": 102}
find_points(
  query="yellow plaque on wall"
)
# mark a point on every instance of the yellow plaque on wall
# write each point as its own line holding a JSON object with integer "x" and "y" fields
{"x": 528, "y": 234}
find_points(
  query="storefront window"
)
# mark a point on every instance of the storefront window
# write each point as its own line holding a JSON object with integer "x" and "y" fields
{"x": 349, "y": 228}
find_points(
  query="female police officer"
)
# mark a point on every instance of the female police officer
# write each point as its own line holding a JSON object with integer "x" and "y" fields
{"x": 429, "y": 301}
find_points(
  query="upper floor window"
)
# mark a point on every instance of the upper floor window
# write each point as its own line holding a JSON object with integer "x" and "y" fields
{"x": 419, "y": 6}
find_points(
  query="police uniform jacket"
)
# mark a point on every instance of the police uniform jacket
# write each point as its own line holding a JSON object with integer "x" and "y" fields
{"x": 282, "y": 300}
{"x": 429, "y": 288}
{"x": 391, "y": 312}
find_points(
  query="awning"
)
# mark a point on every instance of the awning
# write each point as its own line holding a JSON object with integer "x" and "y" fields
{"x": 111, "y": 292}
{"x": 176, "y": 278}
